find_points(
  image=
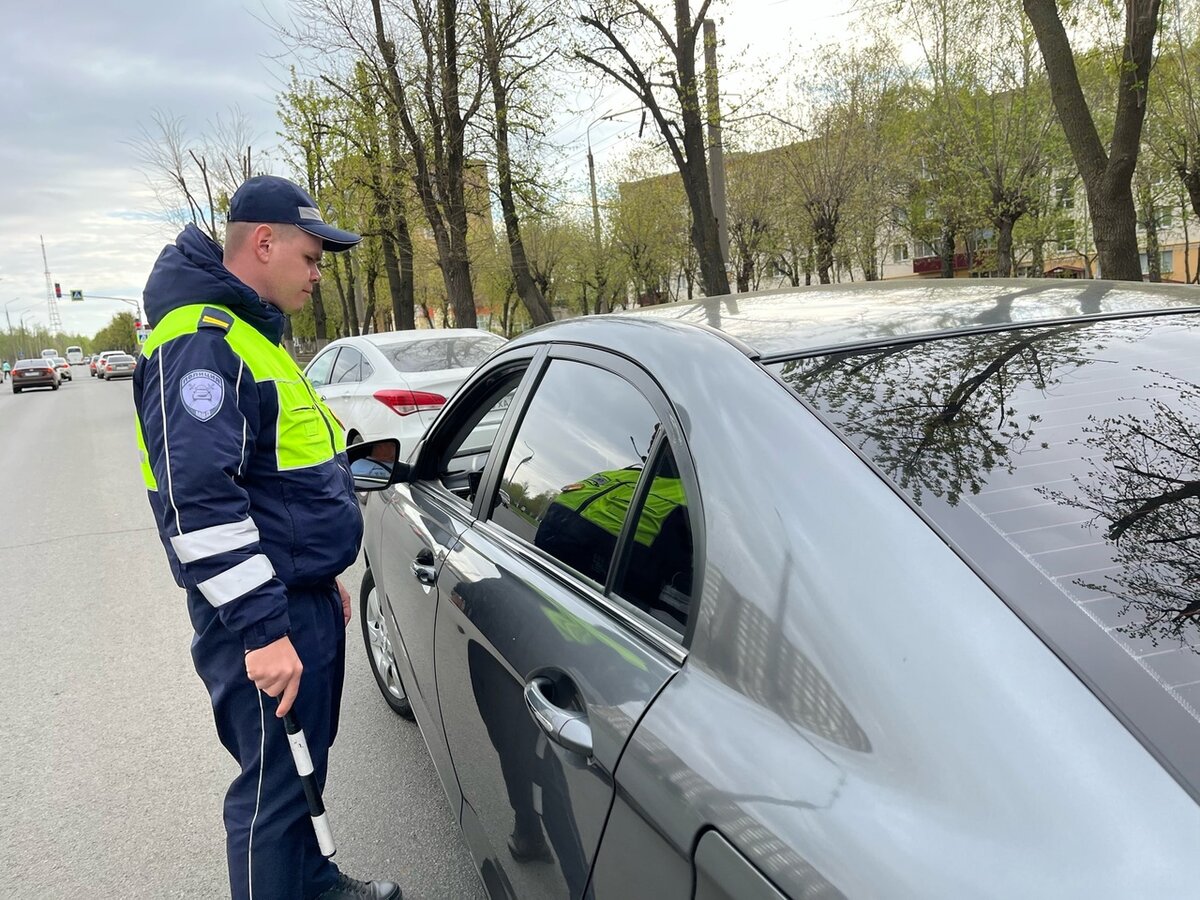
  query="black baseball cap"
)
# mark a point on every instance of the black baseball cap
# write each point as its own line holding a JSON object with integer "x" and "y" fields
{"x": 271, "y": 199}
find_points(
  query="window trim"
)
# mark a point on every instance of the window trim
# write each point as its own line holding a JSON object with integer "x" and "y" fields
{"x": 357, "y": 366}
{"x": 671, "y": 431}
{"x": 333, "y": 352}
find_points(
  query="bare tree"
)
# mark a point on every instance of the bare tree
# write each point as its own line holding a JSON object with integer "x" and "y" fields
{"x": 434, "y": 113}
{"x": 512, "y": 54}
{"x": 624, "y": 28}
{"x": 193, "y": 180}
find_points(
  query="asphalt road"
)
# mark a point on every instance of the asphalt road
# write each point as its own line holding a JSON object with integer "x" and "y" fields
{"x": 111, "y": 776}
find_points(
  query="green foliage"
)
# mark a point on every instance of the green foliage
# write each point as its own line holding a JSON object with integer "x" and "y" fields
{"x": 118, "y": 334}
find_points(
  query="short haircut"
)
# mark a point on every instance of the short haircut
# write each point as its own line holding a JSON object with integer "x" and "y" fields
{"x": 238, "y": 233}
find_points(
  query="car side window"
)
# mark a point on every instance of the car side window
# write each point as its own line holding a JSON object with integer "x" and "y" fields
{"x": 462, "y": 459}
{"x": 346, "y": 369}
{"x": 656, "y": 572}
{"x": 366, "y": 371}
{"x": 574, "y": 466}
{"x": 319, "y": 368}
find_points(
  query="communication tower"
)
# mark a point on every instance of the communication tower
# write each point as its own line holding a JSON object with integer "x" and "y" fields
{"x": 56, "y": 324}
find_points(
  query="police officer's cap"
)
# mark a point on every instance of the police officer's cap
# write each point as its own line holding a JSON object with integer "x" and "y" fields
{"x": 271, "y": 199}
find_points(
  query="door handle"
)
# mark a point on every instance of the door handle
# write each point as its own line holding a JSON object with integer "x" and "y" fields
{"x": 566, "y": 728}
{"x": 423, "y": 567}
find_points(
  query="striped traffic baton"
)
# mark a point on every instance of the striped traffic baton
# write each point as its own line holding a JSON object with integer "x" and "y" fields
{"x": 312, "y": 791}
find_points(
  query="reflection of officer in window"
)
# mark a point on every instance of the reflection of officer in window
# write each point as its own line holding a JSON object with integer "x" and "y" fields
{"x": 583, "y": 523}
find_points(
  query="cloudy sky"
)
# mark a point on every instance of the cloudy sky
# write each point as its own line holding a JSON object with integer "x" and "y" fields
{"x": 80, "y": 78}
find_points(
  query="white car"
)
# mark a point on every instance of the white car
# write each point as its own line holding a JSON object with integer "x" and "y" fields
{"x": 393, "y": 384}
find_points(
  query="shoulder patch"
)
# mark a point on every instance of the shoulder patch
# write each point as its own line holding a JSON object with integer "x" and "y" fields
{"x": 202, "y": 392}
{"x": 210, "y": 317}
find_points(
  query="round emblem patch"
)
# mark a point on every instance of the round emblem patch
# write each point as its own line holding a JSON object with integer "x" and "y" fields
{"x": 202, "y": 393}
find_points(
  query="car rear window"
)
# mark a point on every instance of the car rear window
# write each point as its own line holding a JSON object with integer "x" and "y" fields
{"x": 1063, "y": 461}
{"x": 31, "y": 364}
{"x": 440, "y": 353}
{"x": 121, "y": 357}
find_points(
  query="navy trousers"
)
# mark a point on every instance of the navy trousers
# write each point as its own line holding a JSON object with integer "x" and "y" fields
{"x": 270, "y": 843}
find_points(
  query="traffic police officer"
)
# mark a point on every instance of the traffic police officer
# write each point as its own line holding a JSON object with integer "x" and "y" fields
{"x": 249, "y": 483}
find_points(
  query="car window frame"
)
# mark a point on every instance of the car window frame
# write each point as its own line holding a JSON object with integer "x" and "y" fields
{"x": 333, "y": 355}
{"x": 356, "y": 369}
{"x": 430, "y": 448}
{"x": 606, "y": 600}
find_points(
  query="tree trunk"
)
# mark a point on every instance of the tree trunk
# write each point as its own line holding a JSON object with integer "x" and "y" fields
{"x": 825, "y": 230}
{"x": 403, "y": 300}
{"x": 1037, "y": 265}
{"x": 947, "y": 251}
{"x": 1190, "y": 177}
{"x": 1114, "y": 229}
{"x": 1149, "y": 221}
{"x": 1004, "y": 243}
{"x": 1107, "y": 176}
{"x": 440, "y": 182}
{"x": 369, "y": 325}
{"x": 319, "y": 316}
{"x": 528, "y": 290}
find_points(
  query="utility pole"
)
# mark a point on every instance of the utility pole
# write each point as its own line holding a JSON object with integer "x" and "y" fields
{"x": 51, "y": 301}
{"x": 716, "y": 153}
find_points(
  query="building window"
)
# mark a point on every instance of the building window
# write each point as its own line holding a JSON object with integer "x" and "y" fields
{"x": 1166, "y": 262}
{"x": 899, "y": 253}
{"x": 924, "y": 248}
{"x": 1064, "y": 240}
{"x": 1164, "y": 216}
{"x": 1066, "y": 193}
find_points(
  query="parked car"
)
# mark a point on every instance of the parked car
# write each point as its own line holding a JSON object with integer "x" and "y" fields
{"x": 118, "y": 365}
{"x": 31, "y": 373}
{"x": 62, "y": 367}
{"x": 864, "y": 591}
{"x": 392, "y": 384}
{"x": 99, "y": 367}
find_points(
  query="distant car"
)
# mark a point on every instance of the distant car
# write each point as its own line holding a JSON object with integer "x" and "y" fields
{"x": 75, "y": 355}
{"x": 31, "y": 373}
{"x": 119, "y": 365}
{"x": 62, "y": 367}
{"x": 393, "y": 384}
{"x": 98, "y": 365}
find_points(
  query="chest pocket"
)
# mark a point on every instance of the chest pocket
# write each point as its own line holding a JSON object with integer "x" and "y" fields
{"x": 304, "y": 437}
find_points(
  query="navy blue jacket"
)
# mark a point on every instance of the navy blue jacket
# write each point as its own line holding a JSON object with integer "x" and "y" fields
{"x": 237, "y": 526}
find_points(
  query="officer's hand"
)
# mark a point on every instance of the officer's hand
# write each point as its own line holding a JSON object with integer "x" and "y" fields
{"x": 345, "y": 594}
{"x": 275, "y": 670}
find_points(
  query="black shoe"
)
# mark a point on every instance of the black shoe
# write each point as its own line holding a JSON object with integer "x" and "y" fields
{"x": 529, "y": 849}
{"x": 347, "y": 888}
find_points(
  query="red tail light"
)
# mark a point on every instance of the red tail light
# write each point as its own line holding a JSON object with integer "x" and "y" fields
{"x": 406, "y": 403}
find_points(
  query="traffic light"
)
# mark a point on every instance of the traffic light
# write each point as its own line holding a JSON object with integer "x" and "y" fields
{"x": 137, "y": 324}
{"x": 57, "y": 290}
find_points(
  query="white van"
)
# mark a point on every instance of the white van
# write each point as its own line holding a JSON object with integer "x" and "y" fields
{"x": 50, "y": 353}
{"x": 75, "y": 356}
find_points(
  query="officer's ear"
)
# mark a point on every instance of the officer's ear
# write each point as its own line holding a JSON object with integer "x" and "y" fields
{"x": 262, "y": 240}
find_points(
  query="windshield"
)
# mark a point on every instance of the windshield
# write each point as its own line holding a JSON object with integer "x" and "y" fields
{"x": 1061, "y": 461}
{"x": 441, "y": 353}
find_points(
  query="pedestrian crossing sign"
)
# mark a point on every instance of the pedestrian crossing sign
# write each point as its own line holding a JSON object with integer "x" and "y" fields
{"x": 76, "y": 296}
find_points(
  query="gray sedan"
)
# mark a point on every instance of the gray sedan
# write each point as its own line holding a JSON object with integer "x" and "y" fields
{"x": 865, "y": 591}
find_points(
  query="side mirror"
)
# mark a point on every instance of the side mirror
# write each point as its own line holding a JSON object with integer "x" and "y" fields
{"x": 376, "y": 464}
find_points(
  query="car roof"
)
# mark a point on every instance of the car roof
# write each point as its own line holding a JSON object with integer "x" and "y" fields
{"x": 806, "y": 319}
{"x": 384, "y": 338}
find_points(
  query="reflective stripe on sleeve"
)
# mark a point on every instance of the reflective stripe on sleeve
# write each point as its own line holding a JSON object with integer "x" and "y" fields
{"x": 241, "y": 579}
{"x": 207, "y": 542}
